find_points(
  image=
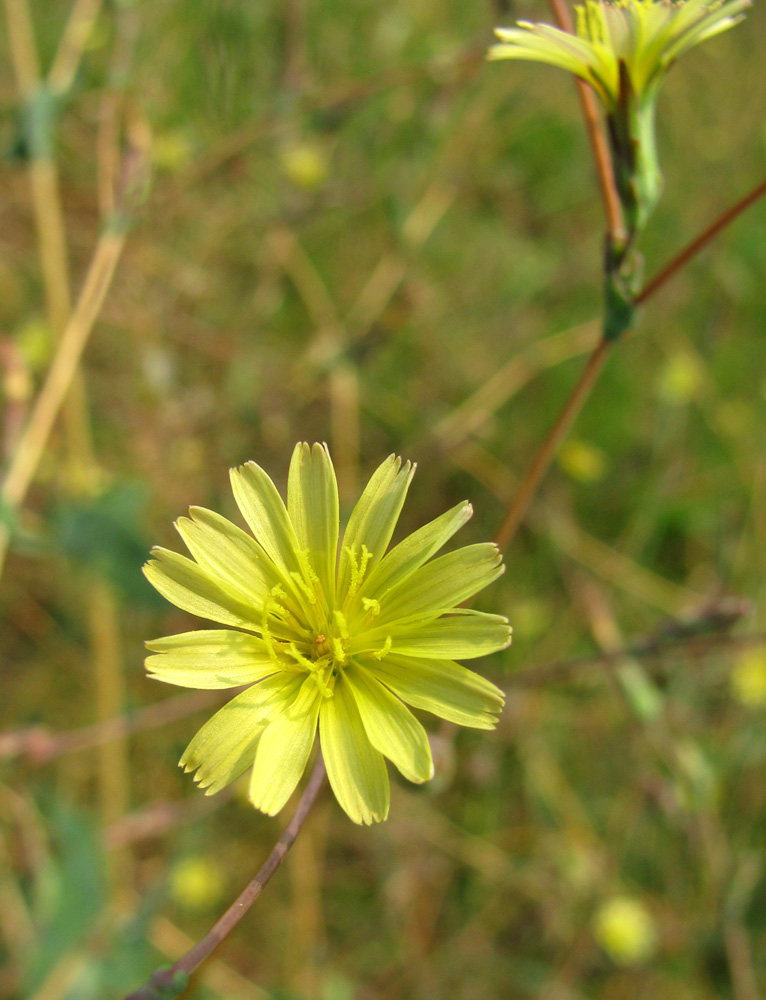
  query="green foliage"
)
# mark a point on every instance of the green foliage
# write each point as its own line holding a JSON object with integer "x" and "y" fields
{"x": 69, "y": 891}
{"x": 106, "y": 535}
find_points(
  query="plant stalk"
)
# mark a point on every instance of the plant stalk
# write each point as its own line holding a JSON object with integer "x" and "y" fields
{"x": 170, "y": 982}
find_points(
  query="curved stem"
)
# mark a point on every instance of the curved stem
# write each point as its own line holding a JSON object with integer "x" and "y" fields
{"x": 524, "y": 495}
{"x": 165, "y": 982}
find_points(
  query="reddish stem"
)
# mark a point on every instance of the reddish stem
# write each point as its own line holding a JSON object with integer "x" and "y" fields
{"x": 700, "y": 242}
{"x": 162, "y": 982}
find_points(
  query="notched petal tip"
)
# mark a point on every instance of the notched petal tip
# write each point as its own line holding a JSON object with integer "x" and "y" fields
{"x": 369, "y": 818}
{"x": 510, "y": 637}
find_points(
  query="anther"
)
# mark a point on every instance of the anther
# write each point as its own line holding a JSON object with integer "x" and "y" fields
{"x": 340, "y": 621}
{"x": 380, "y": 653}
{"x": 371, "y": 606}
{"x": 339, "y": 651}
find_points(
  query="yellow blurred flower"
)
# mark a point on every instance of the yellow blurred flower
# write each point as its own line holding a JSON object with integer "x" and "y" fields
{"x": 171, "y": 151}
{"x": 625, "y": 930}
{"x": 306, "y": 165}
{"x": 582, "y": 461}
{"x": 681, "y": 379}
{"x": 196, "y": 882}
{"x": 34, "y": 340}
{"x": 748, "y": 679}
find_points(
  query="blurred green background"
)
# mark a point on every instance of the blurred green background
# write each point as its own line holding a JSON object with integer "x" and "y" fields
{"x": 358, "y": 231}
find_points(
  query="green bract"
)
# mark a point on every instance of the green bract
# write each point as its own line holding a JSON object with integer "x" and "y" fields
{"x": 623, "y": 50}
{"x": 327, "y": 637}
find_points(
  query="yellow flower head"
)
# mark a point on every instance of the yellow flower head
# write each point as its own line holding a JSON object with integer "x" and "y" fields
{"x": 625, "y": 930}
{"x": 623, "y": 48}
{"x": 329, "y": 638}
{"x": 748, "y": 679}
{"x": 643, "y": 36}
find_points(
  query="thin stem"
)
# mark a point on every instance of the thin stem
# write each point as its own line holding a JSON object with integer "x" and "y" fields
{"x": 69, "y": 55}
{"x": 534, "y": 476}
{"x": 653, "y": 647}
{"x": 163, "y": 982}
{"x": 51, "y": 235}
{"x": 700, "y": 242}
{"x": 60, "y": 375}
{"x": 37, "y": 745}
{"x": 615, "y": 234}
{"x": 542, "y": 460}
{"x": 22, "y": 45}
{"x": 601, "y": 155}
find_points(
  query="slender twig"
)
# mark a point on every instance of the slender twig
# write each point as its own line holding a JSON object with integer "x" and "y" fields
{"x": 601, "y": 155}
{"x": 67, "y": 60}
{"x": 533, "y": 478}
{"x": 60, "y": 374}
{"x": 169, "y": 982}
{"x": 515, "y": 513}
{"x": 38, "y": 745}
{"x": 651, "y": 648}
{"x": 615, "y": 233}
{"x": 700, "y": 242}
{"x": 49, "y": 223}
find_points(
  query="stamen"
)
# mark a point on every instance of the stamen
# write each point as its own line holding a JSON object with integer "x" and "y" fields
{"x": 266, "y": 632}
{"x": 340, "y": 621}
{"x": 339, "y": 651}
{"x": 385, "y": 650}
{"x": 308, "y": 591}
{"x": 327, "y": 687}
{"x": 308, "y": 569}
{"x": 274, "y": 607}
{"x": 311, "y": 665}
{"x": 358, "y": 568}
{"x": 371, "y": 606}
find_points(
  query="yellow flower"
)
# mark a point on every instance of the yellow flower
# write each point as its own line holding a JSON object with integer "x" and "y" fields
{"x": 623, "y": 50}
{"x": 334, "y": 640}
{"x": 748, "y": 679}
{"x": 196, "y": 882}
{"x": 625, "y": 930}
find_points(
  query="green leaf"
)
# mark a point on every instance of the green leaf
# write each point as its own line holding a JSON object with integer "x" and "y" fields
{"x": 106, "y": 535}
{"x": 75, "y": 892}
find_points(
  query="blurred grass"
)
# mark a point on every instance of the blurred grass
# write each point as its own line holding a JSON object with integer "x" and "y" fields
{"x": 444, "y": 219}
